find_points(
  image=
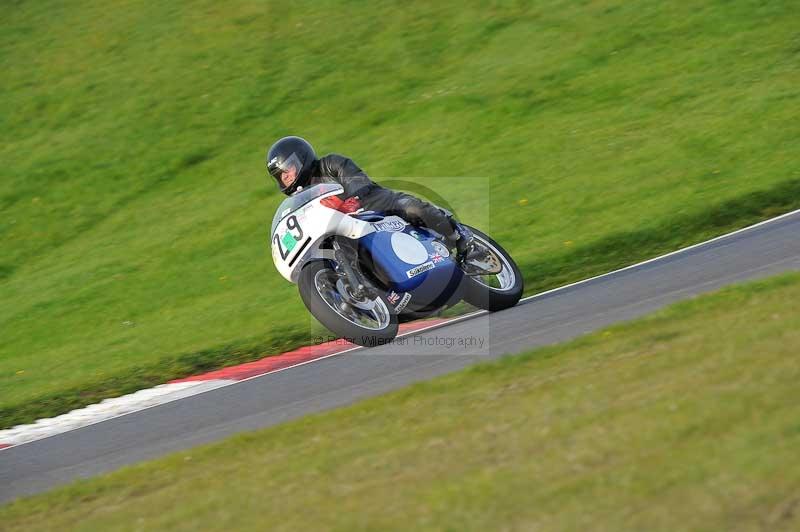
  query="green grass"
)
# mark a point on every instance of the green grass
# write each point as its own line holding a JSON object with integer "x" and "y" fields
{"x": 683, "y": 420}
{"x": 133, "y": 202}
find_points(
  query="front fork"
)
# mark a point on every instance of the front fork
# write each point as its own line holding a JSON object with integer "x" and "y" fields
{"x": 353, "y": 279}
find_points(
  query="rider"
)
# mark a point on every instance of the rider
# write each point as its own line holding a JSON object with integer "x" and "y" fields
{"x": 293, "y": 164}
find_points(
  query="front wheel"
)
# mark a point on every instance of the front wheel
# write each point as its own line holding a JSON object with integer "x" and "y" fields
{"x": 365, "y": 321}
{"x": 498, "y": 291}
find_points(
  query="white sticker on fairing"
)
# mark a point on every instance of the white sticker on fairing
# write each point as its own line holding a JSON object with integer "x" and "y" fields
{"x": 410, "y": 251}
{"x": 403, "y": 302}
{"x": 413, "y": 272}
{"x": 393, "y": 297}
{"x": 441, "y": 248}
{"x": 392, "y": 225}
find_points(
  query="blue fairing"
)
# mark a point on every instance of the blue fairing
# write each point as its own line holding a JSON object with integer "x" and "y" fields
{"x": 439, "y": 277}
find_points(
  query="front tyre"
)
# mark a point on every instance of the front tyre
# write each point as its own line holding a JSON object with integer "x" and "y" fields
{"x": 367, "y": 322}
{"x": 494, "y": 292}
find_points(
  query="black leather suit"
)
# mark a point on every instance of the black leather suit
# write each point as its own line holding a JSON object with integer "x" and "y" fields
{"x": 335, "y": 168}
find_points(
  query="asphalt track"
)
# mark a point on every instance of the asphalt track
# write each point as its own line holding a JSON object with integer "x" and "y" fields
{"x": 554, "y": 316}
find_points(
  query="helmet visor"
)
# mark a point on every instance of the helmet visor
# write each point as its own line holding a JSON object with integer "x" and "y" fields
{"x": 286, "y": 171}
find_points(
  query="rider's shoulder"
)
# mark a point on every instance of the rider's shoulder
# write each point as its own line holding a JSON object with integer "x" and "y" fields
{"x": 334, "y": 158}
{"x": 334, "y": 163}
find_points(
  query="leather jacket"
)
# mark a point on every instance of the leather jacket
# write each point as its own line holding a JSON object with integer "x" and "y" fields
{"x": 335, "y": 168}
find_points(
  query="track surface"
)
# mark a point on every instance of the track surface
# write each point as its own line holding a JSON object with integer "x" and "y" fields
{"x": 555, "y": 316}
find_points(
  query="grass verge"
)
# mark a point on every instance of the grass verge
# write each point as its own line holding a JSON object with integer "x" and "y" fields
{"x": 685, "y": 419}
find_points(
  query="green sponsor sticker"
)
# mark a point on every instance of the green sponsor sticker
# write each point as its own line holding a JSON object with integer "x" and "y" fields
{"x": 289, "y": 242}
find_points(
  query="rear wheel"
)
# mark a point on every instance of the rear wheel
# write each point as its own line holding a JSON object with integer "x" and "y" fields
{"x": 364, "y": 321}
{"x": 497, "y": 291}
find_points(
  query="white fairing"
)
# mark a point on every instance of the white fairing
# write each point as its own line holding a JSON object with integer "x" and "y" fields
{"x": 302, "y": 231}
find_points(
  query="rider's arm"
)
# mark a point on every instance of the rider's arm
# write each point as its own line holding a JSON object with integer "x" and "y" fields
{"x": 354, "y": 180}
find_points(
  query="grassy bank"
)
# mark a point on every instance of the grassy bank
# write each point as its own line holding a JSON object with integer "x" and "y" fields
{"x": 683, "y": 420}
{"x": 133, "y": 206}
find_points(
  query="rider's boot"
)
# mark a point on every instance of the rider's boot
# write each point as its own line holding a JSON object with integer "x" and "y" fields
{"x": 462, "y": 239}
{"x": 464, "y": 243}
{"x": 471, "y": 256}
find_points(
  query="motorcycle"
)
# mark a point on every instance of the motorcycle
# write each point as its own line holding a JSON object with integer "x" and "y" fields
{"x": 361, "y": 274}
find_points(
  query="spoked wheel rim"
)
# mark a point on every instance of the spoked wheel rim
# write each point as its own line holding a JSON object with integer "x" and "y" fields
{"x": 499, "y": 282}
{"x": 372, "y": 314}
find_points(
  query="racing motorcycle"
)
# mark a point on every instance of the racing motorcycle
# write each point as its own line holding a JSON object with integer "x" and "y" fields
{"x": 361, "y": 274}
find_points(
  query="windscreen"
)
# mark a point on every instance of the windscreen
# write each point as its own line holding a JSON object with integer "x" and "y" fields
{"x": 294, "y": 202}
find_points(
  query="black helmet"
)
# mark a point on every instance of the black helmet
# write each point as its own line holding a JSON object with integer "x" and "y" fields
{"x": 291, "y": 155}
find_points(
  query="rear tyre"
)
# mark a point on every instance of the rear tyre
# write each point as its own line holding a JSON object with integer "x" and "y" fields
{"x": 367, "y": 322}
{"x": 494, "y": 292}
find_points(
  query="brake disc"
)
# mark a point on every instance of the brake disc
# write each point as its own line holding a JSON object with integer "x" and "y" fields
{"x": 486, "y": 264}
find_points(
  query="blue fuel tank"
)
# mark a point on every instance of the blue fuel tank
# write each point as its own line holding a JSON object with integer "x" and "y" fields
{"x": 412, "y": 260}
